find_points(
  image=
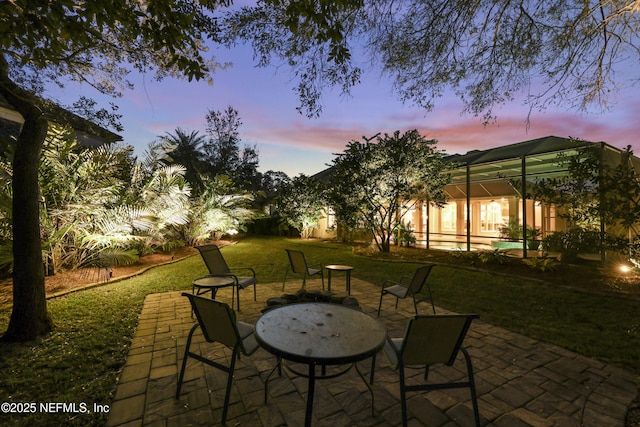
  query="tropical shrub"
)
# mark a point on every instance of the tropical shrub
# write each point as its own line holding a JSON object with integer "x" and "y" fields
{"x": 541, "y": 264}
{"x": 495, "y": 256}
{"x": 302, "y": 204}
{"x": 221, "y": 209}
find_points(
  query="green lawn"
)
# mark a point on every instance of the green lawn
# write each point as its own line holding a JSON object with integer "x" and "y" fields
{"x": 79, "y": 362}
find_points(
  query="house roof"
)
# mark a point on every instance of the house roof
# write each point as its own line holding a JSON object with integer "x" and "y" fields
{"x": 489, "y": 171}
{"x": 539, "y": 146}
{"x": 88, "y": 133}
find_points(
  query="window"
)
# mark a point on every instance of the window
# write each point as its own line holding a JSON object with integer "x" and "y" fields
{"x": 331, "y": 219}
{"x": 449, "y": 215}
{"x": 491, "y": 215}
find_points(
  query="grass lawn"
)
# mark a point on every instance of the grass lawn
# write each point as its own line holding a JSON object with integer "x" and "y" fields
{"x": 80, "y": 360}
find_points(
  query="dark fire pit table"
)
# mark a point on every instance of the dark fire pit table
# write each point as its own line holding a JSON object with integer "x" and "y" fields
{"x": 320, "y": 335}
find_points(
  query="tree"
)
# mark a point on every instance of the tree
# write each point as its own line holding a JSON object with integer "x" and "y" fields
{"x": 488, "y": 52}
{"x": 599, "y": 195}
{"x": 64, "y": 39}
{"x": 223, "y": 150}
{"x": 376, "y": 183}
{"x": 301, "y": 204}
{"x": 188, "y": 152}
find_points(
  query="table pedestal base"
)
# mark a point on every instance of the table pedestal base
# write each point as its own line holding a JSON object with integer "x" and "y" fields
{"x": 312, "y": 376}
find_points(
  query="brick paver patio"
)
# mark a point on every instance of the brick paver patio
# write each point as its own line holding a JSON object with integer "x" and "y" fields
{"x": 520, "y": 381}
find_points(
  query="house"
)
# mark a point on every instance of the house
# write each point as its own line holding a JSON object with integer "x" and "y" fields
{"x": 483, "y": 200}
{"x": 88, "y": 133}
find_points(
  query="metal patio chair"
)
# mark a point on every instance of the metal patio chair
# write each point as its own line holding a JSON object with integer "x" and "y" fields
{"x": 218, "y": 324}
{"x": 218, "y": 267}
{"x": 401, "y": 290}
{"x": 431, "y": 340}
{"x": 298, "y": 265}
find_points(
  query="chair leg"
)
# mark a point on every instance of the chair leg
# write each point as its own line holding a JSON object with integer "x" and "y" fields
{"x": 373, "y": 369}
{"x": 184, "y": 359}
{"x": 322, "y": 277}
{"x": 403, "y": 396}
{"x": 472, "y": 386}
{"x": 266, "y": 381}
{"x": 380, "y": 304}
{"x": 227, "y": 394}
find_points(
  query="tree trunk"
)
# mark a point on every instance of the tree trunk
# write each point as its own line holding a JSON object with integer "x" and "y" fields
{"x": 29, "y": 317}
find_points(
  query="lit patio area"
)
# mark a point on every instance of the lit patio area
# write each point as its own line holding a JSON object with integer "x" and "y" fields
{"x": 520, "y": 381}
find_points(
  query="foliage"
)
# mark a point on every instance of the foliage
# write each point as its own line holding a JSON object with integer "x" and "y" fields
{"x": 221, "y": 209}
{"x": 575, "y": 191}
{"x": 94, "y": 45}
{"x": 377, "y": 183}
{"x": 532, "y": 232}
{"x": 404, "y": 235}
{"x": 486, "y": 52}
{"x": 574, "y": 241}
{"x": 302, "y": 203}
{"x": 510, "y": 231}
{"x": 541, "y": 264}
{"x": 80, "y": 188}
{"x": 58, "y": 41}
{"x": 222, "y": 151}
{"x": 465, "y": 255}
{"x": 187, "y": 151}
{"x": 102, "y": 208}
{"x": 494, "y": 256}
{"x": 309, "y": 36}
{"x": 634, "y": 251}
{"x": 599, "y": 186}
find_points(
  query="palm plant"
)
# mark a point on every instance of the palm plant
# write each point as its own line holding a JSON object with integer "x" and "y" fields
{"x": 78, "y": 187}
{"x": 221, "y": 209}
{"x": 166, "y": 199}
{"x": 187, "y": 151}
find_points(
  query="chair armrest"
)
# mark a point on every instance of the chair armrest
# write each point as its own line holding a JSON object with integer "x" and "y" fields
{"x": 390, "y": 341}
{"x": 403, "y": 278}
{"x": 318, "y": 266}
{"x": 392, "y": 352}
{"x": 393, "y": 282}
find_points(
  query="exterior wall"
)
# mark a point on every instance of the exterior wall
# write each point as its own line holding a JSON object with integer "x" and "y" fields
{"x": 327, "y": 226}
{"x": 447, "y": 226}
{"x": 492, "y": 182}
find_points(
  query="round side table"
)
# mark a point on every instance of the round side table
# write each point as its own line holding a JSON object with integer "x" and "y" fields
{"x": 337, "y": 267}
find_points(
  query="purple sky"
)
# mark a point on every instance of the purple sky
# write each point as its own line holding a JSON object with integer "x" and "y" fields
{"x": 293, "y": 143}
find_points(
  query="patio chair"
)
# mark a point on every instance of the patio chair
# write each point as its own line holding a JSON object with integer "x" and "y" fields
{"x": 298, "y": 265}
{"x": 218, "y": 267}
{"x": 430, "y": 340}
{"x": 218, "y": 324}
{"x": 412, "y": 289}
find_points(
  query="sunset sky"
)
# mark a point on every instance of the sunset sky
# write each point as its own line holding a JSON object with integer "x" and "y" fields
{"x": 293, "y": 143}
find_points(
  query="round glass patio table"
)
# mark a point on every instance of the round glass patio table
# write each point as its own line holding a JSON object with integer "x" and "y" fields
{"x": 319, "y": 335}
{"x": 211, "y": 283}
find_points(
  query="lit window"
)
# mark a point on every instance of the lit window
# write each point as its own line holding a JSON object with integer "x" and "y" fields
{"x": 490, "y": 216}
{"x": 449, "y": 215}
